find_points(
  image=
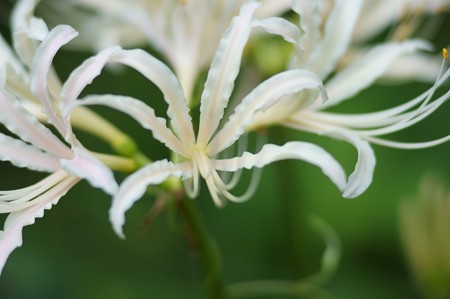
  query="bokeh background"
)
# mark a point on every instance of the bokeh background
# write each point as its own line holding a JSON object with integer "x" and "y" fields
{"x": 72, "y": 253}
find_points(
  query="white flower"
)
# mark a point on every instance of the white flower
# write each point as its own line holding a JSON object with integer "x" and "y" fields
{"x": 319, "y": 52}
{"x": 37, "y": 148}
{"x": 199, "y": 152}
{"x": 185, "y": 32}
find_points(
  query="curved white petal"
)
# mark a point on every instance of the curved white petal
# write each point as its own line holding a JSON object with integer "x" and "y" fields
{"x": 86, "y": 166}
{"x": 377, "y": 16}
{"x": 337, "y": 36}
{"x": 21, "y": 17}
{"x": 58, "y": 37}
{"x": 279, "y": 26}
{"x": 83, "y": 76}
{"x": 8, "y": 57}
{"x": 414, "y": 67}
{"x": 224, "y": 70}
{"x": 310, "y": 25}
{"x": 135, "y": 185}
{"x": 21, "y": 154}
{"x": 19, "y": 121}
{"x": 143, "y": 114}
{"x": 263, "y": 96}
{"x": 270, "y": 8}
{"x": 361, "y": 178}
{"x": 368, "y": 68}
{"x": 308, "y": 152}
{"x": 151, "y": 68}
{"x": 11, "y": 236}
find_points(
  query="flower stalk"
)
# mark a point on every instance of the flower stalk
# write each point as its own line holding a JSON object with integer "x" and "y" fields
{"x": 205, "y": 247}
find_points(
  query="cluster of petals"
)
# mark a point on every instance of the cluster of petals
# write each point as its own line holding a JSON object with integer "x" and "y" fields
{"x": 30, "y": 144}
{"x": 186, "y": 33}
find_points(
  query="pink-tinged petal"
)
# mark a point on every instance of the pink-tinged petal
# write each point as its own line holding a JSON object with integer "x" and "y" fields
{"x": 304, "y": 151}
{"x": 262, "y": 97}
{"x": 19, "y": 121}
{"x": 279, "y": 26}
{"x": 361, "y": 178}
{"x": 58, "y": 37}
{"x": 223, "y": 72}
{"x": 11, "y": 236}
{"x": 135, "y": 185}
{"x": 84, "y": 75}
{"x": 368, "y": 68}
{"x": 21, "y": 154}
{"x": 152, "y": 69}
{"x": 338, "y": 33}
{"x": 142, "y": 113}
{"x": 86, "y": 166}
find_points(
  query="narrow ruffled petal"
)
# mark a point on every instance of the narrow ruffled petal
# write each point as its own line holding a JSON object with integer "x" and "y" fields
{"x": 304, "y": 151}
{"x": 152, "y": 69}
{"x": 368, "y": 68}
{"x": 135, "y": 185}
{"x": 338, "y": 33}
{"x": 22, "y": 154}
{"x": 20, "y": 122}
{"x": 58, "y": 37}
{"x": 361, "y": 178}
{"x": 279, "y": 26}
{"x": 11, "y": 236}
{"x": 85, "y": 166}
{"x": 143, "y": 114}
{"x": 223, "y": 72}
{"x": 262, "y": 97}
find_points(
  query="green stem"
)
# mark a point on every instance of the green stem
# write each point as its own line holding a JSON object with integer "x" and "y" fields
{"x": 293, "y": 207}
{"x": 117, "y": 163}
{"x": 206, "y": 248}
{"x": 89, "y": 121}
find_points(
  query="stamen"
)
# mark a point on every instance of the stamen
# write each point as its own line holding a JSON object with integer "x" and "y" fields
{"x": 231, "y": 179}
{"x": 444, "y": 53}
{"x": 192, "y": 185}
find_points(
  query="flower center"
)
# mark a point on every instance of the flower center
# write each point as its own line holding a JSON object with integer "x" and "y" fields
{"x": 200, "y": 161}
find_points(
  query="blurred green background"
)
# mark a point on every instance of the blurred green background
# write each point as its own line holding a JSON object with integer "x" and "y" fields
{"x": 72, "y": 253}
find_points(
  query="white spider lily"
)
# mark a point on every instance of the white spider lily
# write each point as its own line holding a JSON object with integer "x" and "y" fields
{"x": 185, "y": 32}
{"x": 37, "y": 148}
{"x": 320, "y": 53}
{"x": 199, "y": 152}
